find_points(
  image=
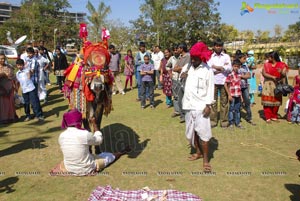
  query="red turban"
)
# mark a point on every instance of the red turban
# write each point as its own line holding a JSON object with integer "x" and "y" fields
{"x": 201, "y": 51}
{"x": 73, "y": 118}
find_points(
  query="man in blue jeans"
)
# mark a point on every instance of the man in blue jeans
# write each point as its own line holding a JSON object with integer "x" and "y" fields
{"x": 139, "y": 60}
{"x": 245, "y": 75}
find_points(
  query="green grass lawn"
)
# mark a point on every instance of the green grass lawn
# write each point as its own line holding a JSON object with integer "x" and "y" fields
{"x": 257, "y": 163}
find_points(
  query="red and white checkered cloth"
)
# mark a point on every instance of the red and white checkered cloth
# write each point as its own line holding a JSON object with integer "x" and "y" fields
{"x": 109, "y": 194}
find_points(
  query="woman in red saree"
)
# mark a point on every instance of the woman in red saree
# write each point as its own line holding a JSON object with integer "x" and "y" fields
{"x": 7, "y": 91}
{"x": 274, "y": 71}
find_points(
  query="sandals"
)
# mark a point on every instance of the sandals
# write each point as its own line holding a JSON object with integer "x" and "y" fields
{"x": 275, "y": 119}
{"x": 194, "y": 157}
{"x": 206, "y": 167}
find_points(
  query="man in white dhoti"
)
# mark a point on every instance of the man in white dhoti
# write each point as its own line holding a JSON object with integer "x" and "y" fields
{"x": 197, "y": 100}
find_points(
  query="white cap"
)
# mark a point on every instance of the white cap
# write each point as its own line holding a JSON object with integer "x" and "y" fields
{"x": 251, "y": 52}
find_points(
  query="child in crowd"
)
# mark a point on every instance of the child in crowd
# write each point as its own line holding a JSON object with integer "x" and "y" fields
{"x": 295, "y": 114}
{"x": 28, "y": 91}
{"x": 244, "y": 72}
{"x": 252, "y": 79}
{"x": 233, "y": 88}
{"x": 129, "y": 68}
{"x": 32, "y": 64}
{"x": 296, "y": 80}
{"x": 147, "y": 70}
{"x": 289, "y": 106}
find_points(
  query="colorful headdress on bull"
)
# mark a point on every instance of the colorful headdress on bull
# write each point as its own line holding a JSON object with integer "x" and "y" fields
{"x": 95, "y": 54}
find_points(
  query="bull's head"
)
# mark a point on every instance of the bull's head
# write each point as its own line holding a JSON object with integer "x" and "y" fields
{"x": 97, "y": 86}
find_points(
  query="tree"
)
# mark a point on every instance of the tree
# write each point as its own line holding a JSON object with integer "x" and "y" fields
{"x": 140, "y": 27}
{"x": 181, "y": 21}
{"x": 278, "y": 32}
{"x": 247, "y": 36}
{"x": 155, "y": 10}
{"x": 293, "y": 32}
{"x": 229, "y": 32}
{"x": 97, "y": 19}
{"x": 263, "y": 36}
{"x": 121, "y": 36}
{"x": 38, "y": 18}
{"x": 198, "y": 20}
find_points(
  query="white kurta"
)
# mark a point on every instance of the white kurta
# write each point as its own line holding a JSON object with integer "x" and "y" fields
{"x": 74, "y": 144}
{"x": 198, "y": 92}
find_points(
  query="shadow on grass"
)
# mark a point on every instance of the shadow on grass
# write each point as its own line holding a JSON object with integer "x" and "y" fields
{"x": 53, "y": 129}
{"x": 213, "y": 146}
{"x": 295, "y": 190}
{"x": 31, "y": 143}
{"x": 55, "y": 111}
{"x": 6, "y": 185}
{"x": 2, "y": 133}
{"x": 156, "y": 95}
{"x": 117, "y": 136}
{"x": 53, "y": 88}
{"x": 261, "y": 114}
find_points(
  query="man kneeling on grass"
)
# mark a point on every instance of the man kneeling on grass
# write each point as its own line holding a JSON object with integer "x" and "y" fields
{"x": 197, "y": 100}
{"x": 74, "y": 143}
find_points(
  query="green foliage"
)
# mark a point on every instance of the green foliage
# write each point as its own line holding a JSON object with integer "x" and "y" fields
{"x": 38, "y": 18}
{"x": 293, "y": 33}
{"x": 171, "y": 22}
{"x": 97, "y": 18}
{"x": 263, "y": 36}
{"x": 121, "y": 36}
{"x": 228, "y": 33}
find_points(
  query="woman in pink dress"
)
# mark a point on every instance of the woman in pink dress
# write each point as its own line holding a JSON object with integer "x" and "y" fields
{"x": 129, "y": 68}
{"x": 7, "y": 91}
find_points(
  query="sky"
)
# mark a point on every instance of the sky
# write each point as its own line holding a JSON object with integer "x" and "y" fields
{"x": 259, "y": 19}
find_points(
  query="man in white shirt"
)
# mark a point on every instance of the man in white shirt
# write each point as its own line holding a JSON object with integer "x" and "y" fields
{"x": 156, "y": 57}
{"x": 197, "y": 100}
{"x": 221, "y": 65}
{"x": 74, "y": 143}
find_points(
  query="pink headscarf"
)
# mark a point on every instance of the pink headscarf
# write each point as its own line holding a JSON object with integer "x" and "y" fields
{"x": 201, "y": 51}
{"x": 72, "y": 118}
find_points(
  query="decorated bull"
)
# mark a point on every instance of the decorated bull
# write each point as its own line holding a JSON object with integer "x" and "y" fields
{"x": 88, "y": 84}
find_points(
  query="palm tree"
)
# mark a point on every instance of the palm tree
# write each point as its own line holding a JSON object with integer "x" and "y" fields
{"x": 155, "y": 10}
{"x": 97, "y": 18}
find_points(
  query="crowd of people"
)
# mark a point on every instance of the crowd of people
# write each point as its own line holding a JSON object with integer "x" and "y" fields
{"x": 195, "y": 82}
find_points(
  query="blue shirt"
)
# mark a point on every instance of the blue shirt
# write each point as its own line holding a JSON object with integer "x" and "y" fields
{"x": 33, "y": 65}
{"x": 243, "y": 71}
{"x": 147, "y": 67}
{"x": 23, "y": 76}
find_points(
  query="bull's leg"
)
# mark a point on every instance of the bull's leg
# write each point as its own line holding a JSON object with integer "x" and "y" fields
{"x": 98, "y": 116}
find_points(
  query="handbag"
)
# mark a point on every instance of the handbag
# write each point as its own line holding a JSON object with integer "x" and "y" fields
{"x": 283, "y": 89}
